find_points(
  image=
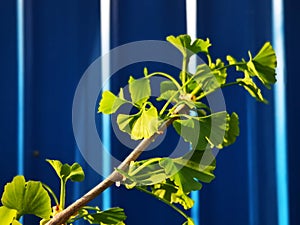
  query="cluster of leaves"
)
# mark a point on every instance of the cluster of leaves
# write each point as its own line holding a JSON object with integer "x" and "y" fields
{"x": 22, "y": 197}
{"x": 172, "y": 180}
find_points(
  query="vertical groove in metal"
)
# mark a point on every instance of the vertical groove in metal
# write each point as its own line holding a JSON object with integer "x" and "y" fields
{"x": 20, "y": 63}
{"x": 105, "y": 67}
{"x": 252, "y": 165}
{"x": 280, "y": 114}
{"x": 191, "y": 20}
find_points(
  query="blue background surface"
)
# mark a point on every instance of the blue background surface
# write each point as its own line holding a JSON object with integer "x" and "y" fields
{"x": 62, "y": 38}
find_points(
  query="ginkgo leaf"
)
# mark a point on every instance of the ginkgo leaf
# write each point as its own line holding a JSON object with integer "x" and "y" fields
{"x": 251, "y": 87}
{"x": 111, "y": 103}
{"x": 203, "y": 132}
{"x": 263, "y": 65}
{"x": 146, "y": 124}
{"x": 207, "y": 79}
{"x": 185, "y": 171}
{"x": 107, "y": 217}
{"x": 220, "y": 71}
{"x": 27, "y": 198}
{"x": 16, "y": 222}
{"x": 247, "y": 82}
{"x": 65, "y": 171}
{"x": 184, "y": 45}
{"x": 168, "y": 191}
{"x": 190, "y": 221}
{"x": 140, "y": 90}
{"x": 141, "y": 125}
{"x": 168, "y": 90}
{"x": 232, "y": 129}
{"x": 200, "y": 45}
{"x": 125, "y": 122}
{"x": 8, "y": 216}
{"x": 240, "y": 66}
{"x": 172, "y": 179}
{"x": 141, "y": 175}
{"x": 181, "y": 42}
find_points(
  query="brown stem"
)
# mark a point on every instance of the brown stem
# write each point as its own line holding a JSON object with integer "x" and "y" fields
{"x": 63, "y": 216}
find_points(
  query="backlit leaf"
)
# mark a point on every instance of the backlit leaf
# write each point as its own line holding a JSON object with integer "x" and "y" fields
{"x": 251, "y": 87}
{"x": 141, "y": 125}
{"x": 27, "y": 198}
{"x": 141, "y": 175}
{"x": 146, "y": 125}
{"x": 140, "y": 90}
{"x": 111, "y": 103}
{"x": 7, "y": 216}
{"x": 168, "y": 191}
{"x": 263, "y": 65}
{"x": 207, "y": 79}
{"x": 184, "y": 44}
{"x": 185, "y": 171}
{"x": 125, "y": 122}
{"x": 108, "y": 217}
{"x": 168, "y": 90}
{"x": 189, "y": 222}
{"x": 240, "y": 66}
{"x": 65, "y": 171}
{"x": 181, "y": 42}
{"x": 203, "y": 132}
{"x": 232, "y": 129}
{"x": 219, "y": 71}
{"x": 200, "y": 45}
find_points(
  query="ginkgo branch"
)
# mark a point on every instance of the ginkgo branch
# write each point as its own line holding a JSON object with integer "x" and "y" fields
{"x": 115, "y": 176}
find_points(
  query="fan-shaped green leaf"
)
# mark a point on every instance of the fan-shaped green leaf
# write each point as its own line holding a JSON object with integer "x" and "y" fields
{"x": 111, "y": 103}
{"x": 219, "y": 71}
{"x": 8, "y": 216}
{"x": 168, "y": 90}
{"x": 203, "y": 132}
{"x": 251, "y": 87}
{"x": 200, "y": 45}
{"x": 27, "y": 198}
{"x": 125, "y": 122}
{"x": 168, "y": 191}
{"x": 184, "y": 45}
{"x": 141, "y": 125}
{"x": 108, "y": 217}
{"x": 240, "y": 66}
{"x": 181, "y": 42}
{"x": 186, "y": 170}
{"x": 140, "y": 90}
{"x": 143, "y": 173}
{"x": 190, "y": 221}
{"x": 65, "y": 171}
{"x": 232, "y": 129}
{"x": 263, "y": 65}
{"x": 146, "y": 125}
{"x": 207, "y": 79}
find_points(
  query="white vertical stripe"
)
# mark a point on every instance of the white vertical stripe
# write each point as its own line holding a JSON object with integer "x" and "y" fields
{"x": 20, "y": 63}
{"x": 191, "y": 24}
{"x": 280, "y": 115}
{"x": 20, "y": 57}
{"x": 105, "y": 67}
